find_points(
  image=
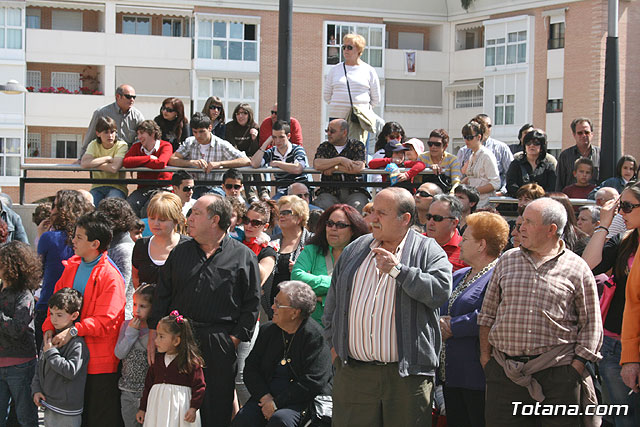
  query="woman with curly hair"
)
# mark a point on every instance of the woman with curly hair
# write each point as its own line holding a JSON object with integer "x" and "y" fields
{"x": 54, "y": 246}
{"x": 20, "y": 271}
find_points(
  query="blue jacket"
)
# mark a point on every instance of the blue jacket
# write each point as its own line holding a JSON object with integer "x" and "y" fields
{"x": 462, "y": 368}
{"x": 424, "y": 284}
{"x": 615, "y": 181}
{"x": 14, "y": 224}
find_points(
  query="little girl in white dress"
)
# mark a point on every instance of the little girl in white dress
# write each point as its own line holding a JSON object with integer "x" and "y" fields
{"x": 174, "y": 387}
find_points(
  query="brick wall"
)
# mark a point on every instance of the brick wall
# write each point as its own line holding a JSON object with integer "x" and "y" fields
{"x": 46, "y": 70}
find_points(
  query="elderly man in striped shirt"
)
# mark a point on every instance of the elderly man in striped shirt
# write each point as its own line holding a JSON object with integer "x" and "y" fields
{"x": 381, "y": 319}
{"x": 539, "y": 324}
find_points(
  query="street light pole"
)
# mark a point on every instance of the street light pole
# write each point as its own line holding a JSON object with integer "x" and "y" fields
{"x": 284, "y": 59}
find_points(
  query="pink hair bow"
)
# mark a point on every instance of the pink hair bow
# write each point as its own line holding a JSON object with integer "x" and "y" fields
{"x": 178, "y": 316}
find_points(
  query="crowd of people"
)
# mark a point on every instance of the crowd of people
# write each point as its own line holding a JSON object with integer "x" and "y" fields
{"x": 186, "y": 303}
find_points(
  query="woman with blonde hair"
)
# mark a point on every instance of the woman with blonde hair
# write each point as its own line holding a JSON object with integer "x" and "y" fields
{"x": 167, "y": 225}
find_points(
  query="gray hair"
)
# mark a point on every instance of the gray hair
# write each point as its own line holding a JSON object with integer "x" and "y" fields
{"x": 607, "y": 193}
{"x": 301, "y": 296}
{"x": 221, "y": 207}
{"x": 455, "y": 205}
{"x": 552, "y": 213}
{"x": 594, "y": 211}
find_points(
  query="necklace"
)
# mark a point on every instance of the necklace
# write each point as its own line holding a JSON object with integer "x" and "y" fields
{"x": 285, "y": 357}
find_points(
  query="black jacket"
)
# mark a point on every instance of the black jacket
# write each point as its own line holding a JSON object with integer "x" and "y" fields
{"x": 544, "y": 175}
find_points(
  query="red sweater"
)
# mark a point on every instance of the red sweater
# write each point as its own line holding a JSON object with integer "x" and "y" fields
{"x": 384, "y": 161}
{"x": 102, "y": 311}
{"x": 296, "y": 131}
{"x": 136, "y": 158}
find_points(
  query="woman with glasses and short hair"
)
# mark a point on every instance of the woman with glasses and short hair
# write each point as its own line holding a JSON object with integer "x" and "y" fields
{"x": 481, "y": 169}
{"x": 215, "y": 110}
{"x": 337, "y": 227}
{"x": 532, "y": 165}
{"x": 173, "y": 123}
{"x": 362, "y": 77}
{"x": 617, "y": 254}
{"x": 445, "y": 166}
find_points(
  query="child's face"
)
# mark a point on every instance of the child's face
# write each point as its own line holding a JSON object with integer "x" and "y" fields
{"x": 135, "y": 234}
{"x": 628, "y": 170}
{"x": 141, "y": 308}
{"x": 107, "y": 137}
{"x": 397, "y": 157}
{"x": 232, "y": 187}
{"x": 583, "y": 174}
{"x": 60, "y": 319}
{"x": 410, "y": 154}
{"x": 83, "y": 247}
{"x": 166, "y": 342}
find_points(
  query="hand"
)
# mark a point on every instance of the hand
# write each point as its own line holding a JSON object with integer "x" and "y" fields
{"x": 578, "y": 366}
{"x": 199, "y": 163}
{"x": 267, "y": 143}
{"x": 403, "y": 177}
{"x": 44, "y": 225}
{"x": 445, "y": 327}
{"x": 436, "y": 169}
{"x": 484, "y": 359}
{"x": 268, "y": 408}
{"x": 140, "y": 416}
{"x": 608, "y": 211}
{"x": 190, "y": 417}
{"x": 236, "y": 341}
{"x": 48, "y": 335}
{"x": 152, "y": 157}
{"x": 630, "y": 374}
{"x": 385, "y": 260}
{"x": 291, "y": 264}
{"x": 62, "y": 338}
{"x": 344, "y": 162}
{"x": 333, "y": 354}
{"x": 151, "y": 347}
{"x": 211, "y": 166}
{"x": 329, "y": 171}
{"x": 253, "y": 132}
{"x": 465, "y": 180}
{"x": 47, "y": 344}
{"x": 464, "y": 167}
{"x": 135, "y": 323}
{"x": 37, "y": 398}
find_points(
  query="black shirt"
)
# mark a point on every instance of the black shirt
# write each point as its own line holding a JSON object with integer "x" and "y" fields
{"x": 222, "y": 290}
{"x": 147, "y": 269}
{"x": 613, "y": 321}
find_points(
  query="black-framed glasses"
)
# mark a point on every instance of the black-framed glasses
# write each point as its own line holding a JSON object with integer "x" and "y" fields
{"x": 347, "y": 47}
{"x": 242, "y": 112}
{"x": 627, "y": 207}
{"x": 337, "y": 224}
{"x": 274, "y": 112}
{"x": 329, "y": 130}
{"x": 469, "y": 137}
{"x": 434, "y": 144}
{"x": 286, "y": 212}
{"x": 583, "y": 132}
{"x": 126, "y": 95}
{"x": 187, "y": 188}
{"x": 168, "y": 109}
{"x": 438, "y": 218}
{"x": 233, "y": 186}
{"x": 215, "y": 107}
{"x": 533, "y": 142}
{"x": 255, "y": 222}
{"x": 423, "y": 193}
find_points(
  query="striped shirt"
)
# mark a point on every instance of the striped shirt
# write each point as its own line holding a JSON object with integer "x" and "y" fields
{"x": 534, "y": 308}
{"x": 295, "y": 153}
{"x": 372, "y": 311}
{"x": 449, "y": 166}
{"x": 217, "y": 151}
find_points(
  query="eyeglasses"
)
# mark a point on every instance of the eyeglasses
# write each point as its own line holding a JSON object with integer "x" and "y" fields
{"x": 126, "y": 95}
{"x": 489, "y": 126}
{"x": 234, "y": 186}
{"x": 253, "y": 222}
{"x": 434, "y": 144}
{"x": 278, "y": 305}
{"x": 438, "y": 218}
{"x": 187, "y": 188}
{"x": 583, "y": 132}
{"x": 627, "y": 207}
{"x": 274, "y": 112}
{"x": 338, "y": 225}
{"x": 286, "y": 212}
{"x": 303, "y": 195}
{"x": 347, "y": 47}
{"x": 168, "y": 110}
{"x": 215, "y": 107}
{"x": 424, "y": 194}
{"x": 533, "y": 142}
{"x": 469, "y": 137}
{"x": 242, "y": 112}
{"x": 329, "y": 130}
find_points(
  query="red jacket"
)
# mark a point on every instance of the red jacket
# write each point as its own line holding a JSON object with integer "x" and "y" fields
{"x": 382, "y": 162}
{"x": 102, "y": 311}
{"x": 136, "y": 158}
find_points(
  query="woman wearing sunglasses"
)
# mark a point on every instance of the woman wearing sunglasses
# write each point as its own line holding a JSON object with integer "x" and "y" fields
{"x": 532, "y": 165}
{"x": 173, "y": 123}
{"x": 337, "y": 227}
{"x": 481, "y": 169}
{"x": 215, "y": 110}
{"x": 617, "y": 254}
{"x": 445, "y": 166}
{"x": 363, "y": 81}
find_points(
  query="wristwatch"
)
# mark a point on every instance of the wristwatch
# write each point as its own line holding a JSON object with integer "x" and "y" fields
{"x": 395, "y": 270}
{"x": 73, "y": 331}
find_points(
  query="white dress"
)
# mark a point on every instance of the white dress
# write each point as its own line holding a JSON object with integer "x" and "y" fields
{"x": 168, "y": 404}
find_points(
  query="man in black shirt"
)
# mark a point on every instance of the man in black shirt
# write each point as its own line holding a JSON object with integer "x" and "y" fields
{"x": 214, "y": 281}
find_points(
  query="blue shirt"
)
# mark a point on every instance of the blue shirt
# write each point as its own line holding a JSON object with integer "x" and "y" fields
{"x": 83, "y": 273}
{"x": 53, "y": 249}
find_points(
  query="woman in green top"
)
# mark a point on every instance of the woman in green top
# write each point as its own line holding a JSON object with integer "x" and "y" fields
{"x": 337, "y": 227}
{"x": 105, "y": 154}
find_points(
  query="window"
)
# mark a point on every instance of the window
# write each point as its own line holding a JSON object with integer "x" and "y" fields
{"x": 231, "y": 91}
{"x": 10, "y": 28}
{"x": 412, "y": 41}
{"x": 517, "y": 47}
{"x": 65, "y": 146}
{"x": 505, "y": 109}
{"x": 34, "y": 145}
{"x": 469, "y": 36}
{"x": 66, "y": 20}
{"x": 10, "y": 156}
{"x": 556, "y": 36}
{"x": 70, "y": 81}
{"x": 172, "y": 27}
{"x": 494, "y": 52}
{"x": 554, "y": 106}
{"x": 226, "y": 40}
{"x": 555, "y": 93}
{"x": 136, "y": 25}
{"x": 372, "y": 33}
{"x": 469, "y": 98}
{"x": 34, "y": 79}
{"x": 32, "y": 18}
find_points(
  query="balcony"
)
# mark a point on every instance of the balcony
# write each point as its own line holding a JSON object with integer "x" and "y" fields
{"x": 430, "y": 65}
{"x": 467, "y": 64}
{"x": 62, "y": 110}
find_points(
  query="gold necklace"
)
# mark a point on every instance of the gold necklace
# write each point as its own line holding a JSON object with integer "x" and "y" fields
{"x": 285, "y": 358}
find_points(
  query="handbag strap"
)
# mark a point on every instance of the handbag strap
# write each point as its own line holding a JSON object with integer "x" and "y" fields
{"x": 347, "y": 79}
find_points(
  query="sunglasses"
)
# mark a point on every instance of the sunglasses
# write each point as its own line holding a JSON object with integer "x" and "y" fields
{"x": 215, "y": 107}
{"x": 438, "y": 218}
{"x": 274, "y": 112}
{"x": 338, "y": 225}
{"x": 489, "y": 126}
{"x": 627, "y": 207}
{"x": 168, "y": 110}
{"x": 303, "y": 195}
{"x": 234, "y": 186}
{"x": 126, "y": 95}
{"x": 253, "y": 222}
{"x": 347, "y": 47}
{"x": 423, "y": 193}
{"x": 583, "y": 132}
{"x": 469, "y": 137}
{"x": 286, "y": 212}
{"x": 533, "y": 142}
{"x": 434, "y": 144}
{"x": 187, "y": 188}
{"x": 242, "y": 112}
{"x": 331, "y": 131}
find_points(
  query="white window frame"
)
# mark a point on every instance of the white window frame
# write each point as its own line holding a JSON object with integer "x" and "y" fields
{"x": 470, "y": 98}
{"x": 518, "y": 43}
{"x": 65, "y": 138}
{"x": 498, "y": 46}
{"x": 137, "y": 17}
{"x": 228, "y": 102}
{"x": 504, "y": 102}
{"x": 34, "y": 78}
{"x": 70, "y": 81}
{"x": 5, "y": 27}
{"x": 183, "y": 26}
{"x": 227, "y": 39}
{"x": 361, "y": 28}
{"x": 34, "y": 142}
{"x": 4, "y": 155}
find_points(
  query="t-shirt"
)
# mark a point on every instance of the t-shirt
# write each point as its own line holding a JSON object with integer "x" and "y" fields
{"x": 83, "y": 273}
{"x": 575, "y": 191}
{"x": 97, "y": 150}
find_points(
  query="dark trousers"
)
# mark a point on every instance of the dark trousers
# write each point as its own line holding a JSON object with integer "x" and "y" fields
{"x": 102, "y": 401}
{"x": 251, "y": 415}
{"x": 40, "y": 316}
{"x": 560, "y": 385}
{"x": 219, "y": 355}
{"x": 465, "y": 407}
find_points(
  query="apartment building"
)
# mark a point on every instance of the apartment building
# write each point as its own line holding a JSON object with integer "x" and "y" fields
{"x": 540, "y": 62}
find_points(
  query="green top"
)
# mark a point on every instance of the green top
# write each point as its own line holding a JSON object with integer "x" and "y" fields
{"x": 97, "y": 150}
{"x": 311, "y": 268}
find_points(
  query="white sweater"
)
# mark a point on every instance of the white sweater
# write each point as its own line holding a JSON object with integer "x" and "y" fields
{"x": 364, "y": 84}
{"x": 483, "y": 169}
